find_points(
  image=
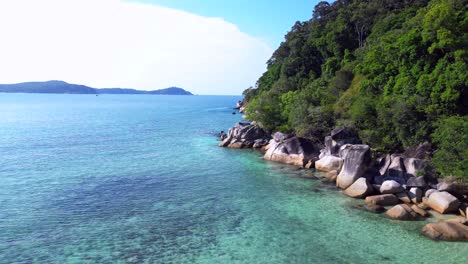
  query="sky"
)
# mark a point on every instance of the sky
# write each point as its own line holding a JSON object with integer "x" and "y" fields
{"x": 203, "y": 46}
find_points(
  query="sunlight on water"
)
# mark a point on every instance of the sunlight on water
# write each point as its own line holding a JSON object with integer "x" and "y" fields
{"x": 140, "y": 179}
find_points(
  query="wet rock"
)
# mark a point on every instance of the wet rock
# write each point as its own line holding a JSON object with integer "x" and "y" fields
{"x": 359, "y": 189}
{"x": 295, "y": 151}
{"x": 356, "y": 161}
{"x": 415, "y": 195}
{"x": 446, "y": 230}
{"x": 419, "y": 210}
{"x": 391, "y": 186}
{"x": 331, "y": 175}
{"x": 443, "y": 202}
{"x": 374, "y": 208}
{"x": 401, "y": 212}
{"x": 382, "y": 199}
{"x": 236, "y": 145}
{"x": 329, "y": 163}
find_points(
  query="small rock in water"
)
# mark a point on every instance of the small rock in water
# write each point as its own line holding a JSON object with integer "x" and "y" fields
{"x": 446, "y": 230}
{"x": 419, "y": 210}
{"x": 383, "y": 199}
{"x": 401, "y": 212}
{"x": 374, "y": 208}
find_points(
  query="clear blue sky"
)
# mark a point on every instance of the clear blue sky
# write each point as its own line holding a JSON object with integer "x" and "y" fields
{"x": 269, "y": 20}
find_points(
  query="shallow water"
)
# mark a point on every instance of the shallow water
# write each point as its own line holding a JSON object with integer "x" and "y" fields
{"x": 140, "y": 179}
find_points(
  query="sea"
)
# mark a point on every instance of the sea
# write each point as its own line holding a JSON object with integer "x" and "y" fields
{"x": 141, "y": 179}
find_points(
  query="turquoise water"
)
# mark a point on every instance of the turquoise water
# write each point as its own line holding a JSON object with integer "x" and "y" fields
{"x": 140, "y": 179}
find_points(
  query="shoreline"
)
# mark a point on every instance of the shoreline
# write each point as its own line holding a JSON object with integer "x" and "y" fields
{"x": 398, "y": 186}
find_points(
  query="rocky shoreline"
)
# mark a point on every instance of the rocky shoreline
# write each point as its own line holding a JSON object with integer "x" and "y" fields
{"x": 399, "y": 185}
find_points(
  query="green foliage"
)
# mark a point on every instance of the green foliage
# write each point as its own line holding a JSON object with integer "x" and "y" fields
{"x": 391, "y": 69}
{"x": 451, "y": 137}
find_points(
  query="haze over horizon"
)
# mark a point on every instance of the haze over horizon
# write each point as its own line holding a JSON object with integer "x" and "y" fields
{"x": 115, "y": 43}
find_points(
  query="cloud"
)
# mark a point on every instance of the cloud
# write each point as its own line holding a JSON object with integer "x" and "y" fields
{"x": 112, "y": 43}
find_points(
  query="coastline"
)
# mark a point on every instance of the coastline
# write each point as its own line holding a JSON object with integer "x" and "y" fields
{"x": 398, "y": 186}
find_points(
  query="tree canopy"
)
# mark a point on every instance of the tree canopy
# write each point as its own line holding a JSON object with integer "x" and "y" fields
{"x": 394, "y": 70}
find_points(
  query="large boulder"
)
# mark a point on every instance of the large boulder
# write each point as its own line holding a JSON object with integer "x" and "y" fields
{"x": 443, "y": 202}
{"x": 356, "y": 161}
{"x": 344, "y": 136}
{"x": 329, "y": 163}
{"x": 244, "y": 135}
{"x": 391, "y": 186}
{"x": 393, "y": 168}
{"x": 359, "y": 189}
{"x": 293, "y": 150}
{"x": 446, "y": 230}
{"x": 414, "y": 166}
{"x": 429, "y": 192}
{"x": 259, "y": 143}
{"x": 401, "y": 212}
{"x": 339, "y": 137}
{"x": 419, "y": 182}
{"x": 421, "y": 151}
{"x": 382, "y": 199}
{"x": 280, "y": 137}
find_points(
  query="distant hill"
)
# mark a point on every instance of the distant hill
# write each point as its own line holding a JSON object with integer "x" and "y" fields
{"x": 61, "y": 87}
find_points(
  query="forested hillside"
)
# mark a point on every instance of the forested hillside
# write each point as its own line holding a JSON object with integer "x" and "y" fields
{"x": 394, "y": 70}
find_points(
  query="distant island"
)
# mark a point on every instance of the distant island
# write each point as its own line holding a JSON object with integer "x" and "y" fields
{"x": 61, "y": 87}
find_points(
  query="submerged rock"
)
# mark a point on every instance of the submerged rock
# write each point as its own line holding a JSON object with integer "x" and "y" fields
{"x": 331, "y": 175}
{"x": 419, "y": 210}
{"x": 356, "y": 161}
{"x": 446, "y": 230}
{"x": 294, "y": 150}
{"x": 401, "y": 212}
{"x": 382, "y": 199}
{"x": 374, "y": 208}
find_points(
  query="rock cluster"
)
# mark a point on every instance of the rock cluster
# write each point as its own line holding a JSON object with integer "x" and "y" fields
{"x": 290, "y": 149}
{"x": 397, "y": 181}
{"x": 245, "y": 135}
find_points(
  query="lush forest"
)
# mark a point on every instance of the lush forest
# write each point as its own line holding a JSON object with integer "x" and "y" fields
{"x": 393, "y": 70}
